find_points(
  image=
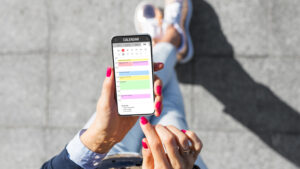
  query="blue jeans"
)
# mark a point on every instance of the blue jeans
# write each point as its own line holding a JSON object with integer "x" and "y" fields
{"x": 173, "y": 108}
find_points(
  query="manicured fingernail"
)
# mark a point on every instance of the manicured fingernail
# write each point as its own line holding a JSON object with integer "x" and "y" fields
{"x": 108, "y": 72}
{"x": 158, "y": 90}
{"x": 144, "y": 145}
{"x": 144, "y": 120}
{"x": 184, "y": 131}
{"x": 158, "y": 107}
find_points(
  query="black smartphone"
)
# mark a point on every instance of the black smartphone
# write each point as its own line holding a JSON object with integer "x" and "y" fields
{"x": 133, "y": 70}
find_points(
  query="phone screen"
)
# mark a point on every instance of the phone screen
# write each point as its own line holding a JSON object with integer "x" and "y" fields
{"x": 133, "y": 68}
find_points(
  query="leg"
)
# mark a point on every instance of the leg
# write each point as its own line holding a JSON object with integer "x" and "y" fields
{"x": 173, "y": 111}
{"x": 165, "y": 53}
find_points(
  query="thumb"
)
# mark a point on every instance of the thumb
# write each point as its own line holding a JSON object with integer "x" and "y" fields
{"x": 108, "y": 87}
{"x": 148, "y": 162}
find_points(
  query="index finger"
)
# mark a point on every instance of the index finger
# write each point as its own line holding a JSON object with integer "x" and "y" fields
{"x": 158, "y": 66}
{"x": 154, "y": 143}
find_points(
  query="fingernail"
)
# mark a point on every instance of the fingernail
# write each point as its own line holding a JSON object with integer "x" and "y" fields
{"x": 108, "y": 72}
{"x": 144, "y": 145}
{"x": 144, "y": 120}
{"x": 158, "y": 90}
{"x": 184, "y": 131}
{"x": 158, "y": 107}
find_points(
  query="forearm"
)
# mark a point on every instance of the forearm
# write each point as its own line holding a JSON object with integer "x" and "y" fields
{"x": 80, "y": 154}
{"x": 96, "y": 140}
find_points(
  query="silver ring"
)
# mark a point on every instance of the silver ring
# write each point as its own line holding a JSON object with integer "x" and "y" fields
{"x": 186, "y": 151}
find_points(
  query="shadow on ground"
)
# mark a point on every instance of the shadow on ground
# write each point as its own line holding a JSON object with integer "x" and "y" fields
{"x": 252, "y": 104}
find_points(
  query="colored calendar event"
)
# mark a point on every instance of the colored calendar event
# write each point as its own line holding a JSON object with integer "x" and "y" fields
{"x": 134, "y": 80}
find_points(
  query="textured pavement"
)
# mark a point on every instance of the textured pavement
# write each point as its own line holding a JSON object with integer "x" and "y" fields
{"x": 241, "y": 90}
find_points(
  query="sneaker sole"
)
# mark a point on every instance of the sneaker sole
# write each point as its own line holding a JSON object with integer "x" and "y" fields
{"x": 190, "y": 52}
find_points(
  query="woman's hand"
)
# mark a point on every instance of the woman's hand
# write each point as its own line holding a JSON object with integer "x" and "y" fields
{"x": 109, "y": 127}
{"x": 178, "y": 155}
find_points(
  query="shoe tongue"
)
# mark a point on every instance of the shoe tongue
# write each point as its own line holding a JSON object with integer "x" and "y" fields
{"x": 172, "y": 13}
{"x": 151, "y": 27}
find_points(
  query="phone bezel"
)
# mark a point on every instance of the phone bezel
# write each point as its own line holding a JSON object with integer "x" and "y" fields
{"x": 144, "y": 38}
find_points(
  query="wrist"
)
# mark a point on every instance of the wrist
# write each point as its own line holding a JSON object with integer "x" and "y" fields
{"x": 97, "y": 141}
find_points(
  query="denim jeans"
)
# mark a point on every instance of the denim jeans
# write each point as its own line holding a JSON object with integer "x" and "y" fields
{"x": 173, "y": 108}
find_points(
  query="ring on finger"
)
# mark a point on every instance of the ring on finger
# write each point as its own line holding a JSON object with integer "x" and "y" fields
{"x": 186, "y": 151}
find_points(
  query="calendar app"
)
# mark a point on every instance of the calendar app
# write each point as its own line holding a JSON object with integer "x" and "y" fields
{"x": 134, "y": 77}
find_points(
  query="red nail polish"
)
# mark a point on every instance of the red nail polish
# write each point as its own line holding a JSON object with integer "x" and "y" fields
{"x": 158, "y": 90}
{"x": 184, "y": 131}
{"x": 144, "y": 120}
{"x": 108, "y": 72}
{"x": 144, "y": 145}
{"x": 158, "y": 107}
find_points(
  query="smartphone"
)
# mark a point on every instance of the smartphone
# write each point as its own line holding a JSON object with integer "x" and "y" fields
{"x": 133, "y": 70}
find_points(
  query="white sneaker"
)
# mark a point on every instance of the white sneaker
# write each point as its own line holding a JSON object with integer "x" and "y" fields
{"x": 148, "y": 19}
{"x": 179, "y": 13}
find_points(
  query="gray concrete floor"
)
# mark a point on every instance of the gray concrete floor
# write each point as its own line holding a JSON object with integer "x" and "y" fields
{"x": 240, "y": 91}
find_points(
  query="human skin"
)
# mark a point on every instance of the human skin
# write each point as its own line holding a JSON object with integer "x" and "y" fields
{"x": 166, "y": 147}
{"x": 108, "y": 127}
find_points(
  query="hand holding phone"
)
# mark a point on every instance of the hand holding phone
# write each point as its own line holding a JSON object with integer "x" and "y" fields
{"x": 108, "y": 127}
